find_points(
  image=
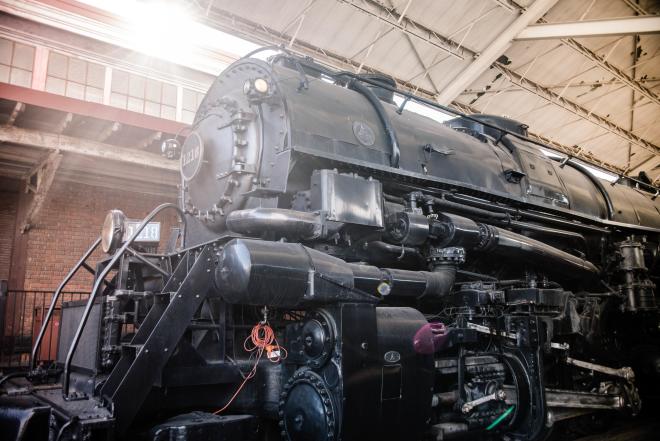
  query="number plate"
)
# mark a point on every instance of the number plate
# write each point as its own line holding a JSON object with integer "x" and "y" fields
{"x": 150, "y": 233}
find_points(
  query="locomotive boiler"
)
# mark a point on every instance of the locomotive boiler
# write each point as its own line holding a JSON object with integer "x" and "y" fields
{"x": 351, "y": 270}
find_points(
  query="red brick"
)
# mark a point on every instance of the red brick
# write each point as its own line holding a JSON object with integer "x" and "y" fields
{"x": 69, "y": 221}
{"x": 8, "y": 207}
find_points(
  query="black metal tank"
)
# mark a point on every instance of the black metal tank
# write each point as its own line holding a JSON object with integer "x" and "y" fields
{"x": 263, "y": 127}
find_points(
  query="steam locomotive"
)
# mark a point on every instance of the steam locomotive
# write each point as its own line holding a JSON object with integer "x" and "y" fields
{"x": 347, "y": 269}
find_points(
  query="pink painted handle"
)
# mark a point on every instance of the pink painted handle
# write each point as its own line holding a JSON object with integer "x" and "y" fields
{"x": 430, "y": 338}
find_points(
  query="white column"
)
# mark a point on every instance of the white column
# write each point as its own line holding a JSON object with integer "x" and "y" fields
{"x": 107, "y": 85}
{"x": 40, "y": 68}
{"x": 493, "y": 51}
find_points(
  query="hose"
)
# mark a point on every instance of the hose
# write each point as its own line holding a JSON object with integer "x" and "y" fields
{"x": 261, "y": 339}
{"x": 500, "y": 418}
{"x": 356, "y": 85}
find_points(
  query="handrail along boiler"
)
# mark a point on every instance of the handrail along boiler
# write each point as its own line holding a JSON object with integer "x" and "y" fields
{"x": 353, "y": 270}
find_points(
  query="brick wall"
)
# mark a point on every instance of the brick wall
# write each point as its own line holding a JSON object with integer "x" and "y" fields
{"x": 70, "y": 220}
{"x": 8, "y": 208}
{"x": 67, "y": 224}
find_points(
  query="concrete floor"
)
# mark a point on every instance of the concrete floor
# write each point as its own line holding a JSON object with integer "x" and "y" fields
{"x": 635, "y": 431}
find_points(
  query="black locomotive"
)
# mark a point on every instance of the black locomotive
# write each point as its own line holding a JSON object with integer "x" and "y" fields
{"x": 351, "y": 270}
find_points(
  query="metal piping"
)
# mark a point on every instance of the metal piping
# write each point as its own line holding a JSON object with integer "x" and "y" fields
{"x": 356, "y": 85}
{"x": 404, "y": 283}
{"x": 507, "y": 242}
{"x": 549, "y": 231}
{"x": 454, "y": 230}
{"x": 474, "y": 211}
{"x": 291, "y": 223}
{"x": 515, "y": 212}
{"x": 307, "y": 226}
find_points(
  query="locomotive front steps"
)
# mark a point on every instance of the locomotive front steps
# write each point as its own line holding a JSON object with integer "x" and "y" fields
{"x": 130, "y": 350}
{"x": 141, "y": 364}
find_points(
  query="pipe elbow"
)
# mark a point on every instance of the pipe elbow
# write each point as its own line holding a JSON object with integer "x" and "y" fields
{"x": 290, "y": 223}
{"x": 440, "y": 281}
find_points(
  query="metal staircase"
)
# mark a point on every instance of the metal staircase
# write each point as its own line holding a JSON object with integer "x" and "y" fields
{"x": 143, "y": 358}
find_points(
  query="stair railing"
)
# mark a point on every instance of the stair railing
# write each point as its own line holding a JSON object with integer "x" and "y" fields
{"x": 56, "y": 297}
{"x": 66, "y": 377}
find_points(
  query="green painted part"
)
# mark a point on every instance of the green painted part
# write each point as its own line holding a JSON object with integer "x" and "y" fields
{"x": 500, "y": 418}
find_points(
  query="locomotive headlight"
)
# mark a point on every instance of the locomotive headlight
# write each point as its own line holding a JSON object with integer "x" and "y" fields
{"x": 256, "y": 87}
{"x": 261, "y": 85}
{"x": 113, "y": 230}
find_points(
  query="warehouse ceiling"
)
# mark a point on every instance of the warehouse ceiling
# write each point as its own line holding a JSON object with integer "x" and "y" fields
{"x": 595, "y": 97}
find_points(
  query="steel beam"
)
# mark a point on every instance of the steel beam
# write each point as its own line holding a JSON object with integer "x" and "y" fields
{"x": 84, "y": 147}
{"x": 409, "y": 27}
{"x": 569, "y": 85}
{"x": 85, "y": 108}
{"x": 256, "y": 32}
{"x": 605, "y": 65}
{"x": 418, "y": 56}
{"x": 573, "y": 44}
{"x": 632, "y": 4}
{"x": 507, "y": 4}
{"x": 592, "y": 28}
{"x": 613, "y": 70}
{"x": 577, "y": 109}
{"x": 493, "y": 51}
{"x": 638, "y": 166}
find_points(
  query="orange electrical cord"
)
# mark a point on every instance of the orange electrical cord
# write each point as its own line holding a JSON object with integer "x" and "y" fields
{"x": 262, "y": 338}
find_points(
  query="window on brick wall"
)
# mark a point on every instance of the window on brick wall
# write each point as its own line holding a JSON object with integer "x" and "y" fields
{"x": 191, "y": 101}
{"x": 16, "y": 63}
{"x": 144, "y": 95}
{"x": 75, "y": 78}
